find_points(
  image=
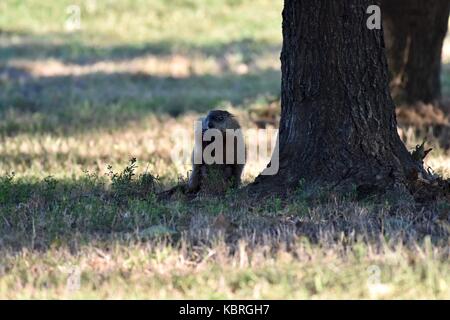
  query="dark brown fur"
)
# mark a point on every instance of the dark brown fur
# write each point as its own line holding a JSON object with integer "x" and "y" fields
{"x": 215, "y": 177}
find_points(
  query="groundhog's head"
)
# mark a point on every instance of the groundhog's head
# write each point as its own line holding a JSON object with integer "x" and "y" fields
{"x": 221, "y": 120}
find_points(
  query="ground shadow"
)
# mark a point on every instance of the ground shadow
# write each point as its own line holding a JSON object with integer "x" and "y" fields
{"x": 36, "y": 214}
{"x": 33, "y": 47}
{"x": 68, "y": 103}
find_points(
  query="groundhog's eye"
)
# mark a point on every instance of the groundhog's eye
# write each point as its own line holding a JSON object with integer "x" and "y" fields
{"x": 219, "y": 118}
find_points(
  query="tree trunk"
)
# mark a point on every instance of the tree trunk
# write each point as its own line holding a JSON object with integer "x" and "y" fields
{"x": 338, "y": 123}
{"x": 415, "y": 31}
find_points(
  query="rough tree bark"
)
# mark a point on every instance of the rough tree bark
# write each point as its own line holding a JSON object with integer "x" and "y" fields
{"x": 415, "y": 31}
{"x": 338, "y": 123}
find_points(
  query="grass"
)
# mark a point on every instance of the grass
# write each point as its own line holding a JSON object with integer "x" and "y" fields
{"x": 78, "y": 220}
{"x": 132, "y": 59}
{"x": 162, "y": 271}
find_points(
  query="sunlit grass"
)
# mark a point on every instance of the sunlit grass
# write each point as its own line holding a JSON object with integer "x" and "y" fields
{"x": 144, "y": 271}
{"x": 130, "y": 21}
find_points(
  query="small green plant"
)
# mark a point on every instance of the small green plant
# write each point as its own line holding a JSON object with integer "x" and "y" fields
{"x": 124, "y": 185}
{"x": 420, "y": 153}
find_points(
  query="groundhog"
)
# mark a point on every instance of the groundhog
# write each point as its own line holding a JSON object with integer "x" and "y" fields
{"x": 225, "y": 172}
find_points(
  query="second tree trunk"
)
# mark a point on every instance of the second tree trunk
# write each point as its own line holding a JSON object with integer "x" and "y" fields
{"x": 415, "y": 31}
